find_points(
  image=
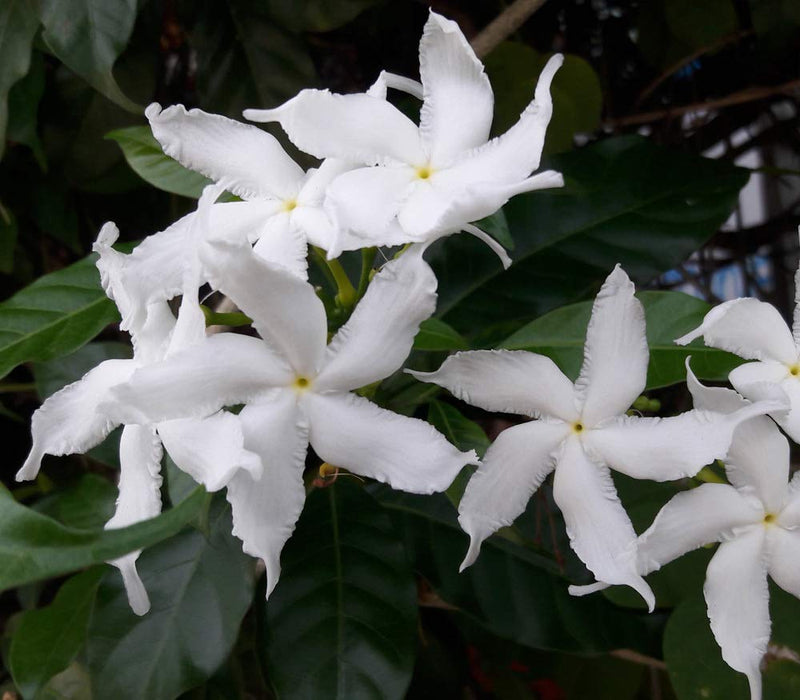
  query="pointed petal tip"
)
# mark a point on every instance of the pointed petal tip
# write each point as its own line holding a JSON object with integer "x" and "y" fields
{"x": 689, "y": 337}
{"x": 108, "y": 235}
{"x": 262, "y": 115}
{"x": 134, "y": 588}
{"x": 152, "y": 111}
{"x": 30, "y": 469}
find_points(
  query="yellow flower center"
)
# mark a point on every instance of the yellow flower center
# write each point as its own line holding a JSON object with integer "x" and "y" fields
{"x": 424, "y": 172}
{"x": 577, "y": 427}
{"x": 301, "y": 384}
{"x": 289, "y": 205}
{"x": 794, "y": 370}
{"x": 770, "y": 518}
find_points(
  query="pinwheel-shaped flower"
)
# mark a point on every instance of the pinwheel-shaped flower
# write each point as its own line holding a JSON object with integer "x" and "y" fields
{"x": 208, "y": 446}
{"x": 437, "y": 177}
{"x": 298, "y": 390}
{"x": 582, "y": 431}
{"x": 755, "y": 330}
{"x": 757, "y": 520}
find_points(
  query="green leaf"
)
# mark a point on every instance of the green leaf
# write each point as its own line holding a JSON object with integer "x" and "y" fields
{"x": 143, "y": 153}
{"x": 514, "y": 69}
{"x": 23, "y": 109}
{"x": 46, "y": 640}
{"x": 316, "y": 15}
{"x": 8, "y": 239}
{"x": 496, "y": 225}
{"x": 88, "y": 36}
{"x": 560, "y": 335}
{"x": 512, "y": 591}
{"x": 626, "y": 201}
{"x": 55, "y": 374}
{"x": 34, "y": 547}
{"x": 342, "y": 621}
{"x": 436, "y": 335}
{"x": 18, "y": 25}
{"x": 463, "y": 433}
{"x": 200, "y": 588}
{"x": 695, "y": 663}
{"x": 86, "y": 504}
{"x": 54, "y": 316}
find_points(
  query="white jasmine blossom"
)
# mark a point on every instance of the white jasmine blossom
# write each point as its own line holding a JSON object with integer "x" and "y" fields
{"x": 582, "y": 431}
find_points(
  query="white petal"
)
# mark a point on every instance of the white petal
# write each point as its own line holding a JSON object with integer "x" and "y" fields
{"x": 280, "y": 243}
{"x": 513, "y": 468}
{"x": 796, "y": 314}
{"x": 408, "y": 454}
{"x": 265, "y": 510}
{"x": 691, "y": 519}
{"x": 784, "y": 553}
{"x": 749, "y": 378}
{"x": 506, "y": 381}
{"x": 516, "y": 154}
{"x": 139, "y": 499}
{"x": 615, "y": 356}
{"x": 211, "y": 450}
{"x": 366, "y": 200}
{"x": 224, "y": 370}
{"x": 285, "y": 310}
{"x": 758, "y": 458}
{"x": 749, "y": 328}
{"x": 319, "y": 179}
{"x": 69, "y": 421}
{"x": 738, "y": 604}
{"x": 359, "y": 128}
{"x": 599, "y": 529}
{"x": 458, "y": 102}
{"x": 316, "y": 227}
{"x": 379, "y": 334}
{"x": 387, "y": 80}
{"x": 247, "y": 161}
{"x": 663, "y": 449}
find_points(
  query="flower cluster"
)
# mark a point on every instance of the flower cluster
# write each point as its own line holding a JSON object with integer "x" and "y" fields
{"x": 239, "y": 411}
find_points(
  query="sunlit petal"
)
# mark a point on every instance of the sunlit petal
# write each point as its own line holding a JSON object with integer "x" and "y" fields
{"x": 748, "y": 380}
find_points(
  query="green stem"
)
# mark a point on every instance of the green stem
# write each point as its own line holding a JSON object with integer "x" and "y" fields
{"x": 367, "y": 261}
{"x": 14, "y": 388}
{"x": 709, "y": 476}
{"x": 346, "y": 296}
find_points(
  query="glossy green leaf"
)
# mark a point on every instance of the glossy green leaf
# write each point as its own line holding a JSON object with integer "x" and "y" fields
{"x": 34, "y": 547}
{"x": 436, "y": 335}
{"x": 514, "y": 69}
{"x": 88, "y": 36}
{"x": 457, "y": 428}
{"x": 143, "y": 153}
{"x": 695, "y": 663}
{"x": 23, "y": 108}
{"x": 561, "y": 334}
{"x": 496, "y": 225}
{"x": 55, "y": 374}
{"x": 342, "y": 621}
{"x": 54, "y": 316}
{"x": 511, "y": 590}
{"x": 200, "y": 588}
{"x": 18, "y": 25}
{"x": 48, "y": 639}
{"x": 626, "y": 201}
{"x": 316, "y": 15}
{"x": 86, "y": 504}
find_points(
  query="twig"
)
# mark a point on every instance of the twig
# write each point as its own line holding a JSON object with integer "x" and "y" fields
{"x": 735, "y": 98}
{"x": 637, "y": 658}
{"x": 504, "y": 25}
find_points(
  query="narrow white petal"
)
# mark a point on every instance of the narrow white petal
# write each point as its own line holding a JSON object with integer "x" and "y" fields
{"x": 69, "y": 421}
{"x": 738, "y": 604}
{"x": 408, "y": 454}
{"x": 796, "y": 314}
{"x": 513, "y": 468}
{"x": 458, "y": 102}
{"x": 285, "y": 310}
{"x": 379, "y": 334}
{"x": 139, "y": 499}
{"x": 663, "y": 449}
{"x": 691, "y": 519}
{"x": 497, "y": 249}
{"x": 366, "y": 200}
{"x": 516, "y": 154}
{"x": 359, "y": 128}
{"x": 758, "y": 458}
{"x": 507, "y": 381}
{"x": 211, "y": 450}
{"x": 281, "y": 243}
{"x": 749, "y": 328}
{"x": 265, "y": 510}
{"x": 784, "y": 553}
{"x": 223, "y": 370}
{"x": 387, "y": 80}
{"x": 247, "y": 161}
{"x": 749, "y": 379}
{"x": 615, "y": 356}
{"x": 599, "y": 529}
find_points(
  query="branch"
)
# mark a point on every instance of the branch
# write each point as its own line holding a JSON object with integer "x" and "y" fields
{"x": 504, "y": 25}
{"x": 748, "y": 95}
{"x": 637, "y": 658}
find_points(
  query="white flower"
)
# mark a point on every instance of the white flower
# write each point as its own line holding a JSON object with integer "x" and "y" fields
{"x": 756, "y": 330}
{"x": 582, "y": 431}
{"x": 298, "y": 389}
{"x": 437, "y": 177}
{"x": 209, "y": 446}
{"x": 757, "y": 520}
